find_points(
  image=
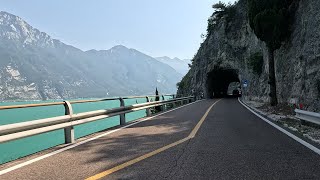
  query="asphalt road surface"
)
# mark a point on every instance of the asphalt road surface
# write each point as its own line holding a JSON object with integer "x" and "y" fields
{"x": 193, "y": 142}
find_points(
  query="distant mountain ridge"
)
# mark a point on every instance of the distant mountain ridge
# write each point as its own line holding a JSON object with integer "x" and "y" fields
{"x": 179, "y": 65}
{"x": 35, "y": 66}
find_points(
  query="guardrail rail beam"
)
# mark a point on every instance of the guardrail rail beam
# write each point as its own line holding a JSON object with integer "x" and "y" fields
{"x": 308, "y": 116}
{"x": 67, "y": 122}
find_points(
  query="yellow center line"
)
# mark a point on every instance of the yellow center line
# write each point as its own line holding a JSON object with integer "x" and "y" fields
{"x": 145, "y": 156}
{"x": 197, "y": 127}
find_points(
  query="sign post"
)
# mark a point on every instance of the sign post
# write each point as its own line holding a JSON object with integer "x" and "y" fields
{"x": 245, "y": 85}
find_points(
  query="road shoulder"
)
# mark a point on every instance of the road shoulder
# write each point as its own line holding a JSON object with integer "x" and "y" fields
{"x": 315, "y": 147}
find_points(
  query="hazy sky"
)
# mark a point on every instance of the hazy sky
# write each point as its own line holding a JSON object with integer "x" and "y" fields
{"x": 155, "y": 27}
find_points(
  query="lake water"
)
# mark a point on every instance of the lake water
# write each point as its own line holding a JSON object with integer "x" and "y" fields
{"x": 19, "y": 148}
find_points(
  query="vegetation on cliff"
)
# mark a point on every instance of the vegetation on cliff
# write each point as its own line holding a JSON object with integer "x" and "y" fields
{"x": 255, "y": 61}
{"x": 221, "y": 11}
{"x": 318, "y": 87}
{"x": 184, "y": 84}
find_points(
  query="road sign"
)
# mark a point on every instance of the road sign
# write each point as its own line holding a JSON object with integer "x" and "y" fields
{"x": 245, "y": 83}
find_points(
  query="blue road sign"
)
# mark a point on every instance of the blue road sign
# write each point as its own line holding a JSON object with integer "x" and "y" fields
{"x": 245, "y": 83}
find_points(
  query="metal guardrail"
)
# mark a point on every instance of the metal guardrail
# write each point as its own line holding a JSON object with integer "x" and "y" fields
{"x": 78, "y": 101}
{"x": 308, "y": 116}
{"x": 67, "y": 122}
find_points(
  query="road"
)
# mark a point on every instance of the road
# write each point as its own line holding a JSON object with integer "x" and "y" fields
{"x": 227, "y": 142}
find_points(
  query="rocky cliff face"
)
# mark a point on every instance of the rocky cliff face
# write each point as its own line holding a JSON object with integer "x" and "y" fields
{"x": 225, "y": 53}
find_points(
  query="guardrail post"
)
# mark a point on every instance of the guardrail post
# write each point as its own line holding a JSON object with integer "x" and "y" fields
{"x": 148, "y": 110}
{"x": 173, "y": 103}
{"x": 69, "y": 131}
{"x": 163, "y": 107}
{"x": 122, "y": 116}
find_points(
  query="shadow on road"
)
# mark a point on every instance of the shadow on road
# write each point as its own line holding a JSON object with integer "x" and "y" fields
{"x": 138, "y": 139}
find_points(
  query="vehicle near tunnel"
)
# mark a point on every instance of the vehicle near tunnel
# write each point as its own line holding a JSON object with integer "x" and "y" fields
{"x": 236, "y": 93}
{"x": 234, "y": 89}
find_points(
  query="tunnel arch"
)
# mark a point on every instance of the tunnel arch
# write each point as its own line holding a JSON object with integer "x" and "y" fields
{"x": 218, "y": 81}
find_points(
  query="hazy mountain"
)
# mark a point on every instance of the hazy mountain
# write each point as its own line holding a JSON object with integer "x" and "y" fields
{"x": 35, "y": 66}
{"x": 179, "y": 65}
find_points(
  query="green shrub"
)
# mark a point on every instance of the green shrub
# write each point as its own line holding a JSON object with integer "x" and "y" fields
{"x": 184, "y": 83}
{"x": 318, "y": 87}
{"x": 255, "y": 62}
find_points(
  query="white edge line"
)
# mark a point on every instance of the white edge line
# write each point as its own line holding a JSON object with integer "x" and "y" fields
{"x": 301, "y": 141}
{"x": 85, "y": 141}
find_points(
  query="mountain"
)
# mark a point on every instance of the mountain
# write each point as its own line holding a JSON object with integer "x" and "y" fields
{"x": 179, "y": 65}
{"x": 35, "y": 66}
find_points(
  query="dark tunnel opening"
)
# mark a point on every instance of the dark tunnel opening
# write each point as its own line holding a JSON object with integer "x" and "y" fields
{"x": 218, "y": 82}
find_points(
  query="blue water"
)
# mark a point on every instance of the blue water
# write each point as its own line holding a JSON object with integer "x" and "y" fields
{"x": 22, "y": 147}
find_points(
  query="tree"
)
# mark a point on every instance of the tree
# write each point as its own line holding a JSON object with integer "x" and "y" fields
{"x": 157, "y": 108}
{"x": 270, "y": 21}
{"x": 221, "y": 11}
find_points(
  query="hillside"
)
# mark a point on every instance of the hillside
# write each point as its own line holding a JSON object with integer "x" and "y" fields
{"x": 34, "y": 66}
{"x": 178, "y": 64}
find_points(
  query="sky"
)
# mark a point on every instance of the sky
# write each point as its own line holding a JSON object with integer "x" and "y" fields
{"x": 155, "y": 27}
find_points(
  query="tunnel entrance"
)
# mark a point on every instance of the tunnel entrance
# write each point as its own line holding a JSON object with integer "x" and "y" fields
{"x": 218, "y": 81}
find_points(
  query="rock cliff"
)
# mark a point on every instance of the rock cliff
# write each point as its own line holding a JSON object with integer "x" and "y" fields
{"x": 225, "y": 54}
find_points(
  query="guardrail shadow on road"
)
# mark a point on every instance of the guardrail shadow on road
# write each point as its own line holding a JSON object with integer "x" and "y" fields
{"x": 134, "y": 141}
